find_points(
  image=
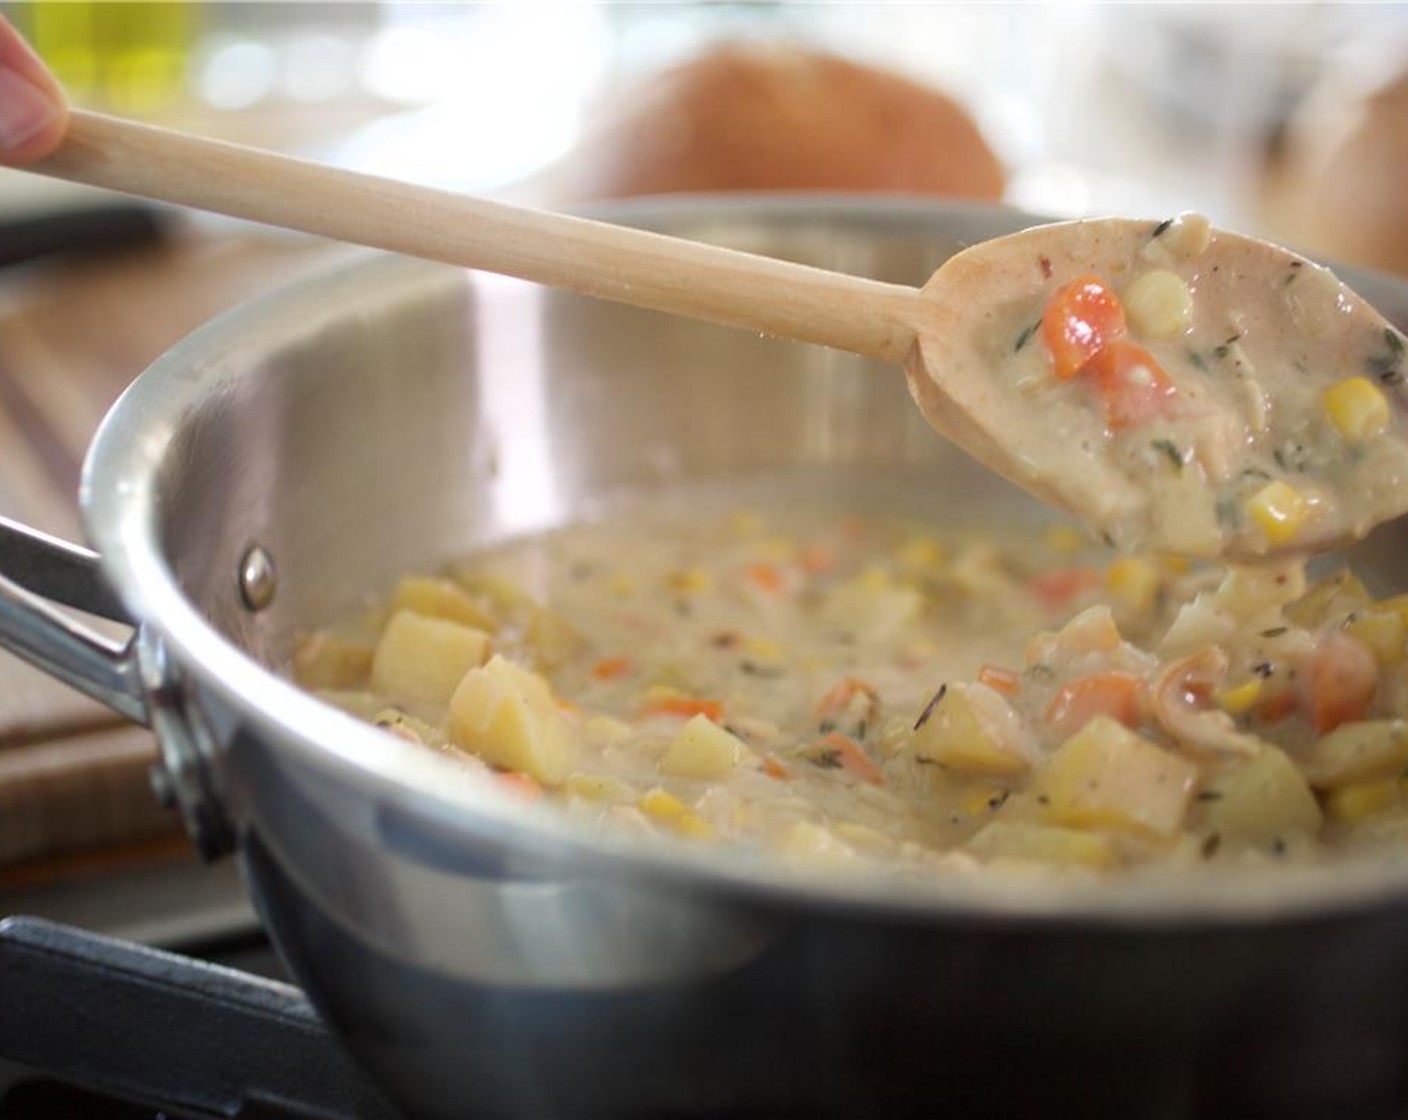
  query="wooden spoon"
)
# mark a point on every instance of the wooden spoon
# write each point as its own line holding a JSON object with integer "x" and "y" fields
{"x": 1190, "y": 476}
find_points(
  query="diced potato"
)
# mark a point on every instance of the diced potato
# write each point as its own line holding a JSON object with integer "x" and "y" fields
{"x": 1106, "y": 776}
{"x": 1331, "y": 599}
{"x": 504, "y": 594}
{"x": 507, "y": 716}
{"x": 322, "y": 661}
{"x": 871, "y": 606}
{"x": 605, "y": 730}
{"x": 982, "y": 799}
{"x": 606, "y": 788}
{"x": 863, "y": 838}
{"x": 363, "y": 705}
{"x": 1278, "y": 510}
{"x": 1383, "y": 632}
{"x": 441, "y": 598}
{"x": 1042, "y": 843}
{"x": 810, "y": 844}
{"x": 1158, "y": 304}
{"x": 423, "y": 659}
{"x": 554, "y": 641}
{"x": 1357, "y": 409}
{"x": 956, "y": 736}
{"x": 1357, "y": 752}
{"x": 1356, "y": 803}
{"x": 1398, "y": 604}
{"x": 1260, "y": 801}
{"x": 703, "y": 749}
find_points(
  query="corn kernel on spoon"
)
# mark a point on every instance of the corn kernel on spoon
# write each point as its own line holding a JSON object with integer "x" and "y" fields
{"x": 1174, "y": 387}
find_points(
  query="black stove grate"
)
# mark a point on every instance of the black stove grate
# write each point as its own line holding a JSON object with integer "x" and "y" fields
{"x": 96, "y": 1028}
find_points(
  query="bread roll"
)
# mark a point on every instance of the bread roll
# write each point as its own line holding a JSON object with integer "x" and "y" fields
{"x": 776, "y": 118}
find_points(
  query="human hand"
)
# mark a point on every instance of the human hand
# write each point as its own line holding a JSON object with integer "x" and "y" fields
{"x": 33, "y": 108}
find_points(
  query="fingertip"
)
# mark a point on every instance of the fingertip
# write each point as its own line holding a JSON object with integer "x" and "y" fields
{"x": 32, "y": 118}
{"x": 33, "y": 107}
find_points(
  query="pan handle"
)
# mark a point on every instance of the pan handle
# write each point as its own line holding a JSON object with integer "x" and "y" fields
{"x": 37, "y": 570}
{"x": 134, "y": 678}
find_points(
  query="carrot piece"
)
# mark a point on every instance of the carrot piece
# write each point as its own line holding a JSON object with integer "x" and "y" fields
{"x": 774, "y": 769}
{"x": 612, "y": 668}
{"x": 854, "y": 759}
{"x": 1338, "y": 681}
{"x": 1132, "y": 384}
{"x": 838, "y": 696}
{"x": 1116, "y": 694}
{"x": 685, "y": 706}
{"x": 522, "y": 786}
{"x": 1081, "y": 318}
{"x": 817, "y": 559}
{"x": 766, "y": 577}
{"x": 854, "y": 528}
{"x": 1277, "y": 707}
{"x": 1005, "y": 681}
{"x": 1057, "y": 588}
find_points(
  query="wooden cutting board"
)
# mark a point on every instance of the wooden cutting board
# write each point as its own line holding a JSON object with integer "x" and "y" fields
{"x": 73, "y": 334}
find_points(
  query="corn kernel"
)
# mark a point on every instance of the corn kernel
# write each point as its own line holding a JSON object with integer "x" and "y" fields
{"x": 622, "y": 586}
{"x": 1383, "y": 632}
{"x": 874, "y": 578}
{"x": 690, "y": 581}
{"x": 1134, "y": 580}
{"x": 776, "y": 549}
{"x": 745, "y": 522}
{"x": 662, "y": 806}
{"x": 762, "y": 649}
{"x": 1357, "y": 408}
{"x": 1278, "y": 510}
{"x": 1158, "y": 304}
{"x": 1235, "y": 701}
{"x": 1065, "y": 540}
{"x": 921, "y": 554}
{"x": 1362, "y": 800}
{"x": 693, "y": 826}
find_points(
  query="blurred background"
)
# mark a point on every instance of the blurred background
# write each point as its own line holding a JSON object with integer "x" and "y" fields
{"x": 1289, "y": 120}
{"x": 1248, "y": 112}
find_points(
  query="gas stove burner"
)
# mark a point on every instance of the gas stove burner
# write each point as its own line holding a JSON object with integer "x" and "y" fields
{"x": 97, "y": 1028}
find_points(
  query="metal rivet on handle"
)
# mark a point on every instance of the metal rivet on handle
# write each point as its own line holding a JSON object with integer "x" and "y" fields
{"x": 258, "y": 579}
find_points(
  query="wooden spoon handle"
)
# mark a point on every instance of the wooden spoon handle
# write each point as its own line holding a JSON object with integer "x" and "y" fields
{"x": 594, "y": 258}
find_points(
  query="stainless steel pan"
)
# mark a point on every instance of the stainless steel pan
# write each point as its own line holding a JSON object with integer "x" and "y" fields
{"x": 483, "y": 959}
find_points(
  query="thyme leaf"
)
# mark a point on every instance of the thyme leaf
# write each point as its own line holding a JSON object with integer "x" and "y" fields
{"x": 933, "y": 703}
{"x": 1025, "y": 336}
{"x": 1168, "y": 448}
